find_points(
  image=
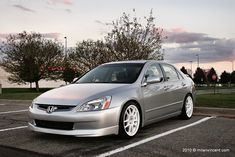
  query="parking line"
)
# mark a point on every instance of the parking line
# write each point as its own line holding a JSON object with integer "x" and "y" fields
{"x": 13, "y": 111}
{"x": 2, "y": 104}
{"x": 152, "y": 138}
{"x": 15, "y": 128}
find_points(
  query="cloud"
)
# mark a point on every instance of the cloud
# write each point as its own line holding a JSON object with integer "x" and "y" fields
{"x": 51, "y": 35}
{"x": 68, "y": 2}
{"x": 23, "y": 8}
{"x": 180, "y": 36}
{"x": 68, "y": 10}
{"x": 55, "y": 2}
{"x": 99, "y": 22}
{"x": 103, "y": 23}
{"x": 182, "y": 46}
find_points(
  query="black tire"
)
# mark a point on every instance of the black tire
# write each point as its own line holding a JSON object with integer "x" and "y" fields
{"x": 122, "y": 132}
{"x": 184, "y": 114}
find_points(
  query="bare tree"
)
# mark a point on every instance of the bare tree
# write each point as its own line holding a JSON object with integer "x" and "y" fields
{"x": 131, "y": 39}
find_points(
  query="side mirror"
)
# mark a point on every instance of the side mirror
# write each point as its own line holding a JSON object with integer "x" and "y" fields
{"x": 151, "y": 80}
{"x": 75, "y": 79}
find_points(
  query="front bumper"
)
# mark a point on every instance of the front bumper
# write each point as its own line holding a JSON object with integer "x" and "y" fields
{"x": 85, "y": 124}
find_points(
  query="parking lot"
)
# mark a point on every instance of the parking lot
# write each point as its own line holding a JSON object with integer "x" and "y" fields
{"x": 199, "y": 136}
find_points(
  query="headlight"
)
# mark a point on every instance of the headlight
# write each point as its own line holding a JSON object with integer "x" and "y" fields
{"x": 32, "y": 104}
{"x": 96, "y": 105}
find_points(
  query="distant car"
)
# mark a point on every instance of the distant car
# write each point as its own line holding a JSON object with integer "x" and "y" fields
{"x": 114, "y": 98}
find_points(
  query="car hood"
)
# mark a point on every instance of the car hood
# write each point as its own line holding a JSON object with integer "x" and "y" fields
{"x": 75, "y": 94}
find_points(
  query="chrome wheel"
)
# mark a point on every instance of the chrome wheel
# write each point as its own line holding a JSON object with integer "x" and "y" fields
{"x": 189, "y": 106}
{"x": 131, "y": 120}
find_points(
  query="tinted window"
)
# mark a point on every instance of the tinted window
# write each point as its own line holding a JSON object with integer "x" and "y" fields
{"x": 170, "y": 72}
{"x": 113, "y": 73}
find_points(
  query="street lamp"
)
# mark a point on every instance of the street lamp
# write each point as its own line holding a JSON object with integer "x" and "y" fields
{"x": 197, "y": 60}
{"x": 65, "y": 47}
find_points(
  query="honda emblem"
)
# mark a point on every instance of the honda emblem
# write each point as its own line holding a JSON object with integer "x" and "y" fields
{"x": 51, "y": 109}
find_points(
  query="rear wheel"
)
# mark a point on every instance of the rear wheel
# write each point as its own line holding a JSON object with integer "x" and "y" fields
{"x": 187, "y": 110}
{"x": 129, "y": 121}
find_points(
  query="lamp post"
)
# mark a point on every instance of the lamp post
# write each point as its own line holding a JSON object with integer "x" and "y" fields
{"x": 197, "y": 60}
{"x": 65, "y": 47}
{"x": 65, "y": 53}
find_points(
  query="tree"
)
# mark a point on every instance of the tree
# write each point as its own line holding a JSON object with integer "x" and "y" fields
{"x": 233, "y": 77}
{"x": 184, "y": 70}
{"x": 28, "y": 57}
{"x": 210, "y": 76}
{"x": 199, "y": 76}
{"x": 132, "y": 40}
{"x": 129, "y": 39}
{"x": 225, "y": 77}
{"x": 69, "y": 72}
{"x": 88, "y": 54}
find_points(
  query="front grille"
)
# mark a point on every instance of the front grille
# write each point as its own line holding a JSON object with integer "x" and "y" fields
{"x": 59, "y": 107}
{"x": 54, "y": 125}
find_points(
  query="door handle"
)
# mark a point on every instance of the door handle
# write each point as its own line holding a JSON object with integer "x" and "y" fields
{"x": 183, "y": 84}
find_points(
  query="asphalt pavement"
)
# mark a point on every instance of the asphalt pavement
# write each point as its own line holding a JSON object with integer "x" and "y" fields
{"x": 199, "y": 136}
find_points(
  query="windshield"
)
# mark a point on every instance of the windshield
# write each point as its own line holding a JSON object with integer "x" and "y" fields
{"x": 113, "y": 73}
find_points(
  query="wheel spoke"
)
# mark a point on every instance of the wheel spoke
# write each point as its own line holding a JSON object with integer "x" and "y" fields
{"x": 126, "y": 120}
{"x": 128, "y": 125}
{"x": 131, "y": 128}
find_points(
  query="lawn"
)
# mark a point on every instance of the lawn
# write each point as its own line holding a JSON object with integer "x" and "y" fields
{"x": 21, "y": 93}
{"x": 217, "y": 87}
{"x": 217, "y": 100}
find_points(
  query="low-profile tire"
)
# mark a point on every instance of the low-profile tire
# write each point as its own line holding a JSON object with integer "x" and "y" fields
{"x": 187, "y": 110}
{"x": 130, "y": 120}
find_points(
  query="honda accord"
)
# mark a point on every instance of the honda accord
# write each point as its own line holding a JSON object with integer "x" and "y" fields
{"x": 114, "y": 98}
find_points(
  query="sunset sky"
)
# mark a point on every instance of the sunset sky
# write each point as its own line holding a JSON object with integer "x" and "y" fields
{"x": 204, "y": 27}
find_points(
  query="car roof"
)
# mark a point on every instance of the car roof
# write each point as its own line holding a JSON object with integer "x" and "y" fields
{"x": 134, "y": 61}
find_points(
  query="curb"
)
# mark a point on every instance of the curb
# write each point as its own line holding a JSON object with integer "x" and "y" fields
{"x": 220, "y": 112}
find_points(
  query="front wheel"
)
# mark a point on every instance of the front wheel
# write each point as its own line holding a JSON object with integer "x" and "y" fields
{"x": 129, "y": 120}
{"x": 187, "y": 110}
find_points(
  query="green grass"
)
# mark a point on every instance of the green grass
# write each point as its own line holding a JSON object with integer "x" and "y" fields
{"x": 217, "y": 100}
{"x": 21, "y": 93}
{"x": 212, "y": 87}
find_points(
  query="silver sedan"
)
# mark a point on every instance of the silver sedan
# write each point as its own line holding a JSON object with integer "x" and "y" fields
{"x": 114, "y": 98}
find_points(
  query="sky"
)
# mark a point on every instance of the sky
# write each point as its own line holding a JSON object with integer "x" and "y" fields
{"x": 203, "y": 27}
